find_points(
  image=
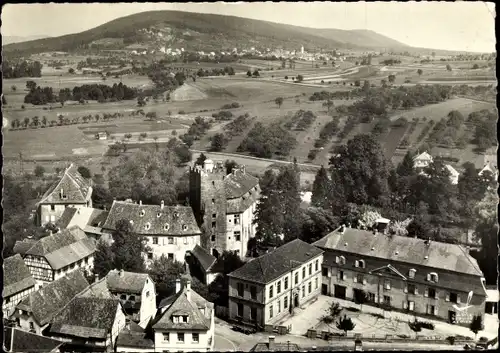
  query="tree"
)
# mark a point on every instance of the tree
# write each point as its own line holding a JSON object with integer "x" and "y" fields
{"x": 448, "y": 67}
{"x": 71, "y": 70}
{"x": 360, "y": 297}
{"x": 44, "y": 120}
{"x": 85, "y": 172}
{"x": 320, "y": 189}
{"x": 332, "y": 312}
{"x": 31, "y": 85}
{"x": 151, "y": 115}
{"x": 230, "y": 165}
{"x": 279, "y": 101}
{"x": 345, "y": 324}
{"x": 100, "y": 196}
{"x": 420, "y": 72}
{"x": 35, "y": 121}
{"x": 415, "y": 327}
{"x": 218, "y": 143}
{"x": 103, "y": 259}
{"x": 128, "y": 248}
{"x": 357, "y": 83}
{"x": 227, "y": 262}
{"x": 317, "y": 222}
{"x": 476, "y": 325}
{"x": 256, "y": 73}
{"x": 164, "y": 272}
{"x": 288, "y": 181}
{"x": 141, "y": 102}
{"x": 249, "y": 73}
{"x": 201, "y": 159}
{"x": 13, "y": 88}
{"x": 300, "y": 78}
{"x": 475, "y": 67}
{"x": 391, "y": 78}
{"x": 39, "y": 171}
{"x": 328, "y": 104}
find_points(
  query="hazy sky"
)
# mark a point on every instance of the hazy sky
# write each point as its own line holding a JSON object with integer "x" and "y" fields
{"x": 443, "y": 25}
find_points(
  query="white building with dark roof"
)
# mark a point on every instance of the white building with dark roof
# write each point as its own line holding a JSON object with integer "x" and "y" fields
{"x": 56, "y": 255}
{"x": 423, "y": 160}
{"x": 72, "y": 189}
{"x": 169, "y": 230}
{"x": 415, "y": 276}
{"x": 18, "y": 283}
{"x": 136, "y": 292}
{"x": 224, "y": 204}
{"x": 89, "y": 219}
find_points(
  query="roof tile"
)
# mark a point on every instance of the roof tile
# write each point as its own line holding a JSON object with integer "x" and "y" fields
{"x": 76, "y": 188}
{"x": 16, "y": 276}
{"x": 128, "y": 282}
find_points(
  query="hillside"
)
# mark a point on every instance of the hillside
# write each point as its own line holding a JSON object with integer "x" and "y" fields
{"x": 198, "y": 31}
{"x": 19, "y": 39}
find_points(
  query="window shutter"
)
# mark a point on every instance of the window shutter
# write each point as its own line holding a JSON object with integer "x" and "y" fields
{"x": 364, "y": 281}
{"x": 355, "y": 279}
{"x": 429, "y": 277}
{"x": 458, "y": 298}
{"x": 406, "y": 289}
{"x": 447, "y": 297}
{"x": 337, "y": 259}
{"x": 426, "y": 293}
{"x": 356, "y": 263}
{"x": 436, "y": 310}
{"x": 329, "y": 273}
{"x": 405, "y": 305}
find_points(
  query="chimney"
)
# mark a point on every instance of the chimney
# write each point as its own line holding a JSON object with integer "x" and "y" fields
{"x": 162, "y": 204}
{"x": 96, "y": 278}
{"x": 177, "y": 285}
{"x": 188, "y": 289}
{"x": 272, "y": 345}
{"x": 122, "y": 273}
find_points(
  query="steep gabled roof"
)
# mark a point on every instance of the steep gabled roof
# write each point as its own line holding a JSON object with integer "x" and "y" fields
{"x": 21, "y": 246}
{"x": 153, "y": 219}
{"x": 64, "y": 248}
{"x": 238, "y": 183}
{"x": 86, "y": 317}
{"x": 452, "y": 170}
{"x": 270, "y": 266}
{"x": 48, "y": 300}
{"x": 81, "y": 217}
{"x": 423, "y": 157}
{"x": 204, "y": 258}
{"x": 126, "y": 282}
{"x": 16, "y": 276}
{"x": 450, "y": 257}
{"x": 17, "y": 340}
{"x": 76, "y": 188}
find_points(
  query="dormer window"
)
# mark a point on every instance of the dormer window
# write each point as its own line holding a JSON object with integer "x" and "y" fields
{"x": 176, "y": 214}
{"x": 166, "y": 226}
{"x": 158, "y": 214}
{"x": 432, "y": 277}
{"x": 411, "y": 273}
{"x": 359, "y": 263}
{"x": 184, "y": 227}
{"x": 142, "y": 213}
{"x": 147, "y": 226}
{"x": 63, "y": 195}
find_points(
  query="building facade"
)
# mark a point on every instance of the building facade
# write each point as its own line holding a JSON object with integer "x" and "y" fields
{"x": 136, "y": 292}
{"x": 56, "y": 255}
{"x": 18, "y": 283}
{"x": 169, "y": 230}
{"x": 410, "y": 275}
{"x": 71, "y": 190}
{"x": 186, "y": 322}
{"x": 224, "y": 206}
{"x": 265, "y": 290}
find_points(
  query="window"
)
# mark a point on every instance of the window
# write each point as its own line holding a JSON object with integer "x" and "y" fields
{"x": 316, "y": 265}
{"x": 412, "y": 289}
{"x": 371, "y": 297}
{"x": 387, "y": 284}
{"x": 270, "y": 292}
{"x": 180, "y": 337}
{"x": 278, "y": 289}
{"x": 213, "y": 200}
{"x": 342, "y": 260}
{"x": 409, "y": 305}
{"x": 150, "y": 256}
{"x": 170, "y": 256}
{"x": 362, "y": 263}
{"x": 240, "y": 310}
{"x": 196, "y": 337}
{"x": 52, "y": 207}
{"x": 166, "y": 336}
{"x": 132, "y": 298}
{"x": 324, "y": 271}
{"x": 239, "y": 286}
{"x": 155, "y": 240}
{"x": 147, "y": 294}
{"x": 285, "y": 302}
{"x": 316, "y": 283}
{"x": 359, "y": 279}
{"x": 309, "y": 287}
{"x": 412, "y": 272}
{"x": 237, "y": 235}
{"x": 253, "y": 292}
{"x": 303, "y": 273}
{"x": 214, "y": 215}
{"x": 341, "y": 275}
{"x": 32, "y": 326}
{"x": 387, "y": 300}
{"x": 270, "y": 311}
{"x": 310, "y": 269}
{"x": 286, "y": 283}
{"x": 296, "y": 277}
{"x": 303, "y": 291}
{"x": 185, "y": 240}
{"x": 170, "y": 240}
{"x": 212, "y": 238}
{"x": 431, "y": 293}
{"x": 214, "y": 223}
{"x": 432, "y": 277}
{"x": 253, "y": 314}
{"x": 123, "y": 297}
{"x": 236, "y": 219}
{"x": 279, "y": 306}
{"x": 454, "y": 297}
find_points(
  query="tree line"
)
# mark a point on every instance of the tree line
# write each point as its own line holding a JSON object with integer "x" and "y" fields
{"x": 21, "y": 68}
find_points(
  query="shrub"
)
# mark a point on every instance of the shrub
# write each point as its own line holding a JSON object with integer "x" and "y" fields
{"x": 181, "y": 112}
{"x": 312, "y": 154}
{"x": 451, "y": 339}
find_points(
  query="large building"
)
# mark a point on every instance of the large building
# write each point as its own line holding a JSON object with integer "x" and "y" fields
{"x": 169, "y": 230}
{"x": 56, "y": 255}
{"x": 70, "y": 190}
{"x": 224, "y": 206}
{"x": 89, "y": 219}
{"x": 186, "y": 322}
{"x": 265, "y": 290}
{"x": 18, "y": 283}
{"x": 137, "y": 293}
{"x": 411, "y": 275}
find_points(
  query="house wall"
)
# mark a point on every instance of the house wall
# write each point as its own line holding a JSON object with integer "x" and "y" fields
{"x": 398, "y": 291}
{"x": 43, "y": 273}
{"x": 10, "y": 302}
{"x": 205, "y": 343}
{"x": 47, "y": 215}
{"x": 272, "y": 310}
{"x": 246, "y": 228}
{"x": 210, "y": 277}
{"x": 118, "y": 324}
{"x": 148, "y": 303}
{"x": 86, "y": 264}
{"x": 173, "y": 245}
{"x": 28, "y": 322}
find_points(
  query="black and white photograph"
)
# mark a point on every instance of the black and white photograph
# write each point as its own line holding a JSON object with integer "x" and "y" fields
{"x": 249, "y": 177}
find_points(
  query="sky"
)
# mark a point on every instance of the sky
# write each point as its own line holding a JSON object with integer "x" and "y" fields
{"x": 468, "y": 26}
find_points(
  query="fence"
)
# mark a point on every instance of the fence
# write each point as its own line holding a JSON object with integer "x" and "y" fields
{"x": 280, "y": 330}
{"x": 329, "y": 336}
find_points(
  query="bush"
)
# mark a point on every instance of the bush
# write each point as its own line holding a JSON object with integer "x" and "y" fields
{"x": 451, "y": 339}
{"x": 312, "y": 154}
{"x": 181, "y": 112}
